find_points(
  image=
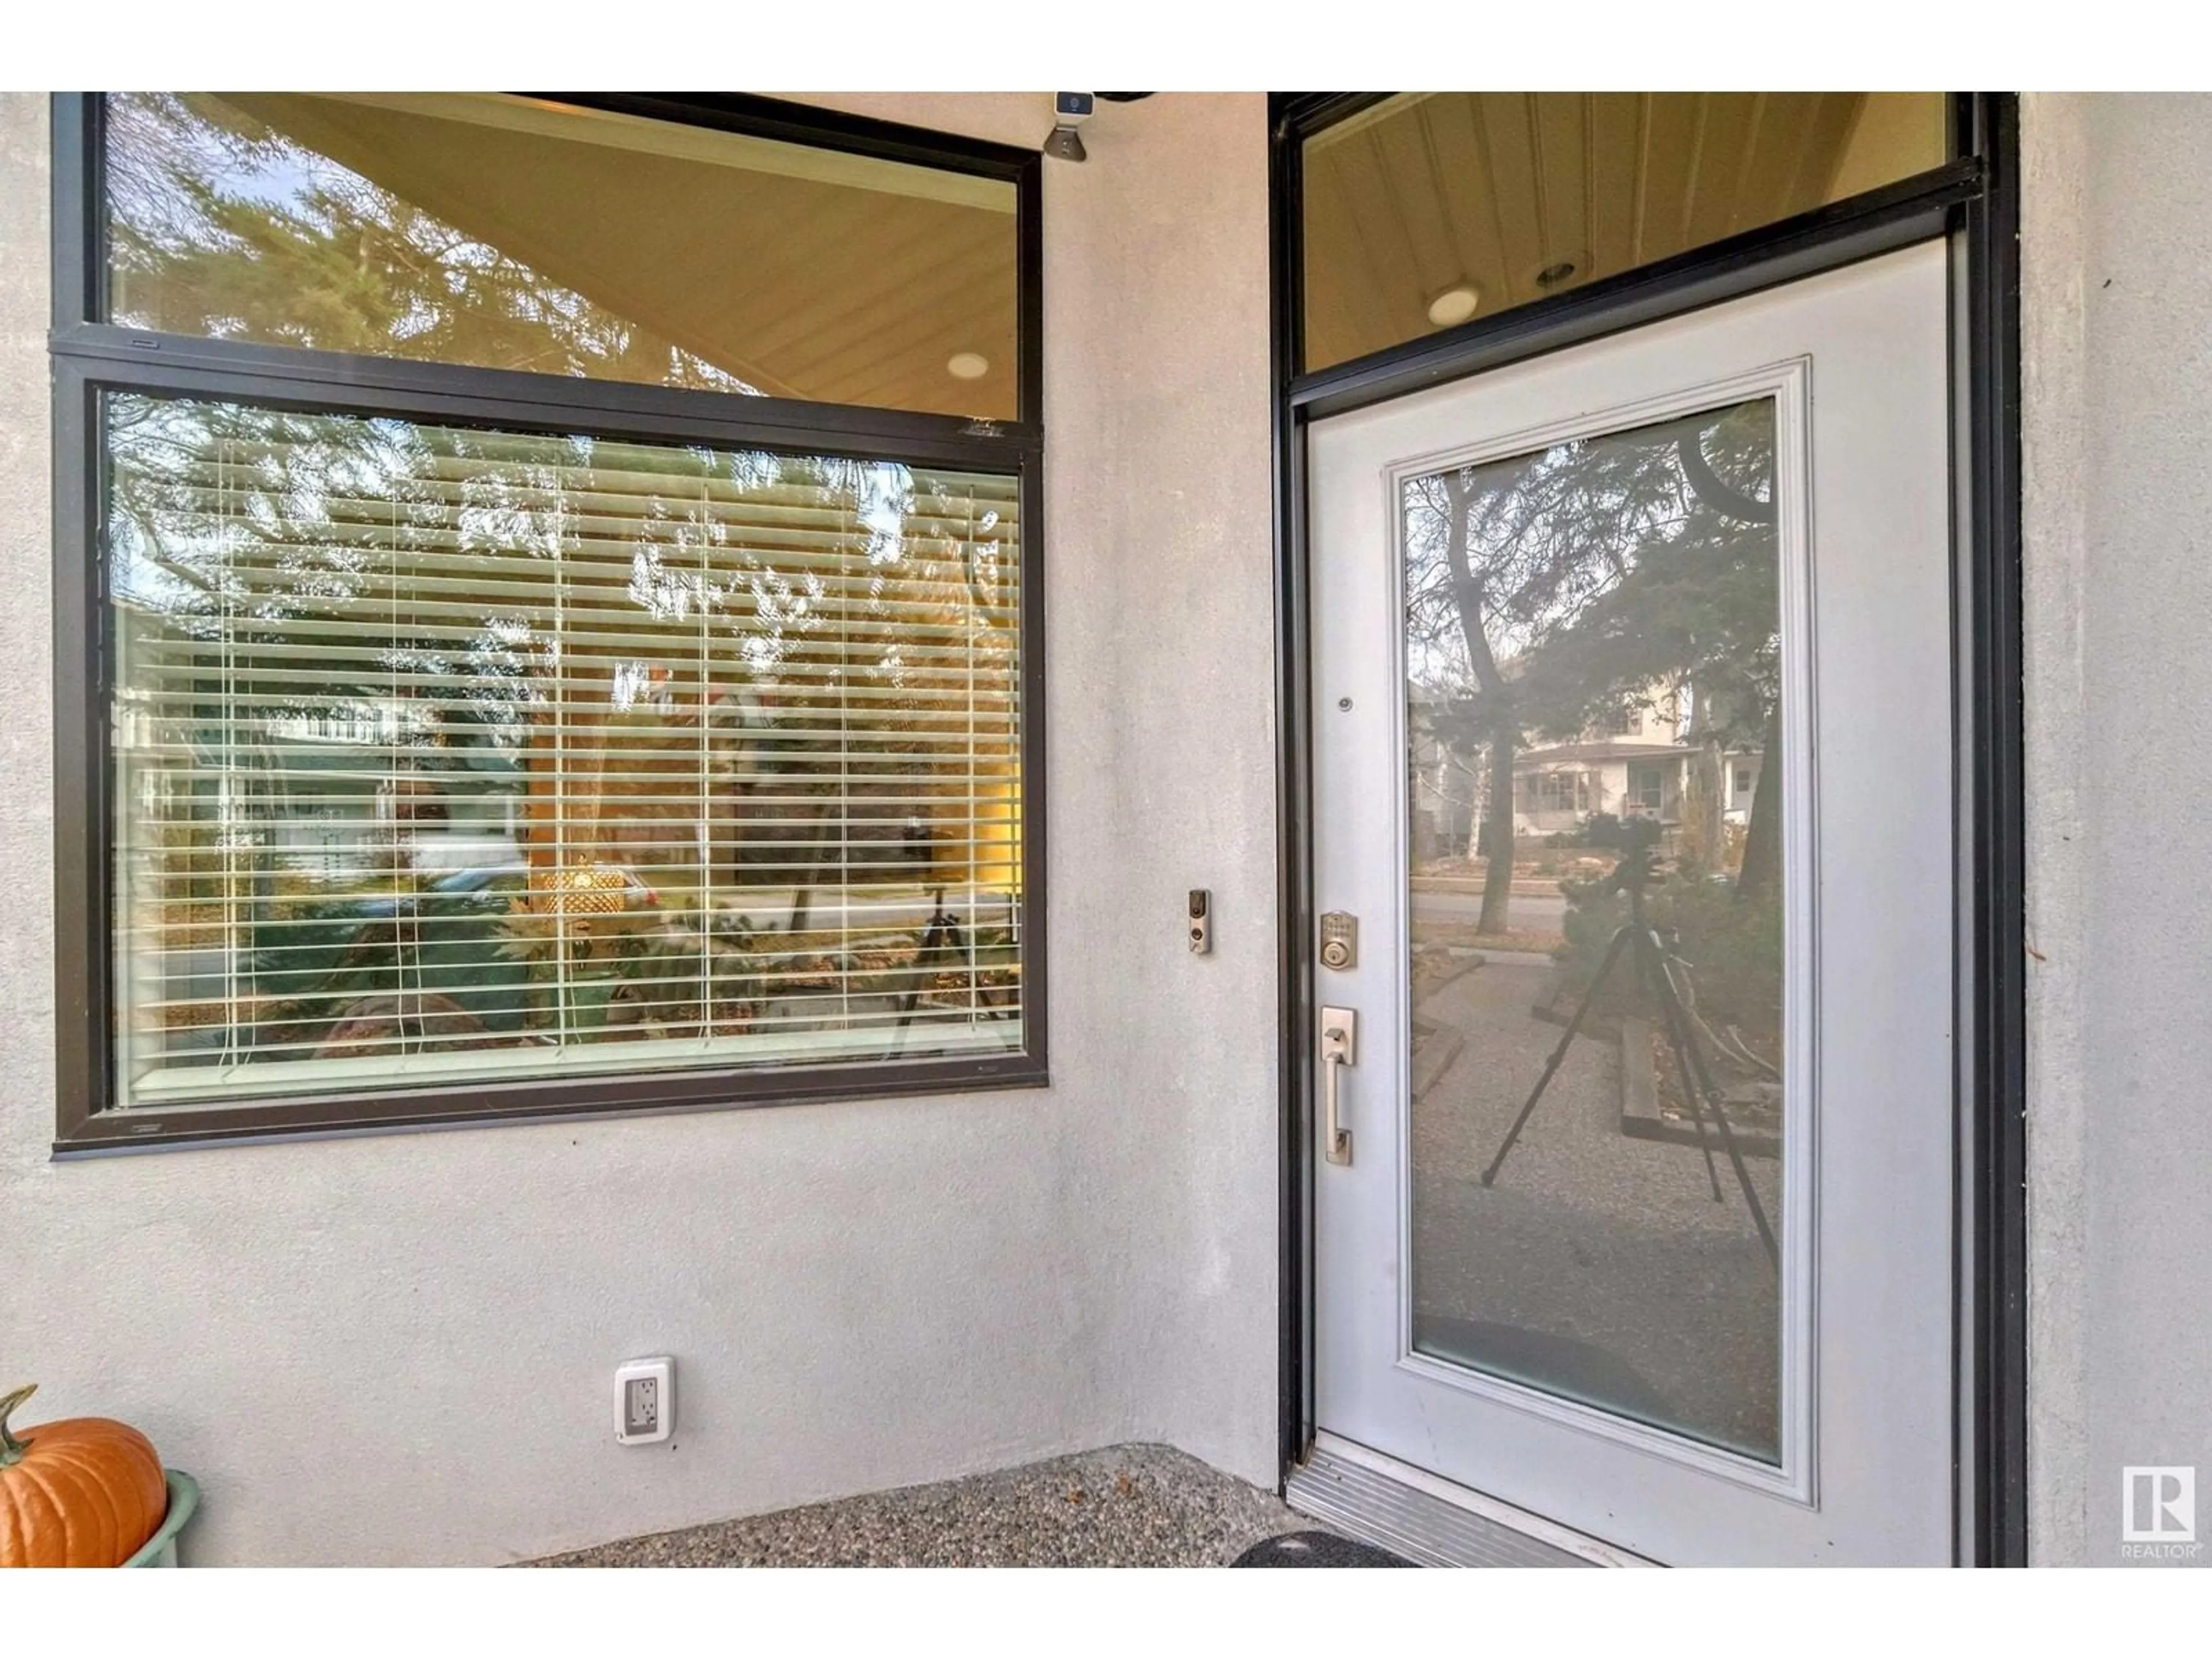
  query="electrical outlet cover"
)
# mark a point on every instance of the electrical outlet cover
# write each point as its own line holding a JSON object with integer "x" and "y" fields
{"x": 645, "y": 1400}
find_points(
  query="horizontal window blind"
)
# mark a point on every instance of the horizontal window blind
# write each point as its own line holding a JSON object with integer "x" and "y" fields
{"x": 443, "y": 754}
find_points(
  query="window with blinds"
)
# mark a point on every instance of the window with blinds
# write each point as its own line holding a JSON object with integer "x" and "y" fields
{"x": 443, "y": 755}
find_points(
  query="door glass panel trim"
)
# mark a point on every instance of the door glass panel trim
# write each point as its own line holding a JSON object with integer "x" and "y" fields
{"x": 1788, "y": 384}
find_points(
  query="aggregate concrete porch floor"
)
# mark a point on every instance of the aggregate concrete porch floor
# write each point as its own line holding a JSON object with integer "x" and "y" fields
{"x": 1124, "y": 1506}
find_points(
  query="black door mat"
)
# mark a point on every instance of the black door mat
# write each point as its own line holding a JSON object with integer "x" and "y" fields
{"x": 1316, "y": 1549}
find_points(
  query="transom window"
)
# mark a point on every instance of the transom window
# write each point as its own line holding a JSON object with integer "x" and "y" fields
{"x": 613, "y": 246}
{"x": 1430, "y": 209}
{"x": 522, "y": 696}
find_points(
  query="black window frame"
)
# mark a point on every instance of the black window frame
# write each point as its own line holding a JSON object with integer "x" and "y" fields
{"x": 91, "y": 358}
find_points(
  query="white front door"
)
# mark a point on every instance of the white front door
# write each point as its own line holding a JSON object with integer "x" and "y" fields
{"x": 1677, "y": 607}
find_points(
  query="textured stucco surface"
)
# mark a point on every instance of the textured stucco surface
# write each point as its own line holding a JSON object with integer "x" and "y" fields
{"x": 400, "y": 1348}
{"x": 2116, "y": 343}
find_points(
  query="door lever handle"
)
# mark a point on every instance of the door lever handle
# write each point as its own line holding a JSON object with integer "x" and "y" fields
{"x": 1339, "y": 1030}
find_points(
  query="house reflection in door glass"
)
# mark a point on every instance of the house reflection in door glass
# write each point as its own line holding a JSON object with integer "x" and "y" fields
{"x": 1594, "y": 660}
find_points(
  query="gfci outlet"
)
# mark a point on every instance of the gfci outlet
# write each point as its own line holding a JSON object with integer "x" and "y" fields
{"x": 645, "y": 1400}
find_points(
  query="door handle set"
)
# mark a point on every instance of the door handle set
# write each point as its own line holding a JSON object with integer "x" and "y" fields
{"x": 1339, "y": 1032}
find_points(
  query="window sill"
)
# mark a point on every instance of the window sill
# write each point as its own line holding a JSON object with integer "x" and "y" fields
{"x": 594, "y": 1099}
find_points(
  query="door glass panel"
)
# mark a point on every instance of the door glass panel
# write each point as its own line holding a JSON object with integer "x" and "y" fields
{"x": 1431, "y": 208}
{"x": 1593, "y": 668}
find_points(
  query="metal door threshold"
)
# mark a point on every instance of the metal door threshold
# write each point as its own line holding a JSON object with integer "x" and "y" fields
{"x": 1425, "y": 1518}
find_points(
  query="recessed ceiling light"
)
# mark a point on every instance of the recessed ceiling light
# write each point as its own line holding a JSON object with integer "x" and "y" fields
{"x": 1455, "y": 305}
{"x": 967, "y": 365}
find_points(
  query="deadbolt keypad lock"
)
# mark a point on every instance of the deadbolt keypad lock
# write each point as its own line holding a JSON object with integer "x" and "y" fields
{"x": 1339, "y": 940}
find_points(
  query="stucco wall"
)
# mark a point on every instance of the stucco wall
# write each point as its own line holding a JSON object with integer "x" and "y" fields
{"x": 2118, "y": 429}
{"x": 400, "y": 1348}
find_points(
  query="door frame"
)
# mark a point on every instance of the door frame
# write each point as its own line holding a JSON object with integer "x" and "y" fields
{"x": 1973, "y": 202}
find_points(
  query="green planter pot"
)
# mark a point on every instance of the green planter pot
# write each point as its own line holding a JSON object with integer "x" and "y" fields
{"x": 160, "y": 1550}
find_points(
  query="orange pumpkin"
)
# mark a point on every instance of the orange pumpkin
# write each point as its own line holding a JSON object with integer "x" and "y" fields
{"x": 86, "y": 1491}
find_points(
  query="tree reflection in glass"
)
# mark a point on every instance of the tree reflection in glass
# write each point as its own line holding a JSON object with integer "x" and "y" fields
{"x": 1593, "y": 659}
{"x": 222, "y": 225}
